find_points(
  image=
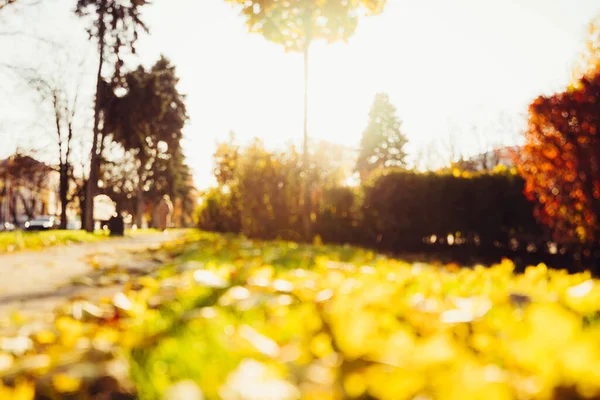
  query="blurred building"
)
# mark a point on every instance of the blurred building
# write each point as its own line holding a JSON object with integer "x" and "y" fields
{"x": 504, "y": 156}
{"x": 28, "y": 188}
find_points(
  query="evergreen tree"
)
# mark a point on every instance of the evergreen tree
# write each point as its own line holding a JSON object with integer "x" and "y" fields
{"x": 382, "y": 144}
{"x": 115, "y": 25}
{"x": 145, "y": 114}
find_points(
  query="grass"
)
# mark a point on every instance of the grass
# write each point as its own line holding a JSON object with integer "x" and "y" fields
{"x": 18, "y": 241}
{"x": 23, "y": 240}
{"x": 237, "y": 319}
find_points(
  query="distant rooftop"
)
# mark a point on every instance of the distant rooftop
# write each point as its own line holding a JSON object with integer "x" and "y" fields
{"x": 25, "y": 161}
{"x": 490, "y": 159}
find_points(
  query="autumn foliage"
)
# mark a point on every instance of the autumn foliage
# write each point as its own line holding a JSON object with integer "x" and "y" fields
{"x": 296, "y": 23}
{"x": 560, "y": 161}
{"x": 393, "y": 210}
{"x": 232, "y": 318}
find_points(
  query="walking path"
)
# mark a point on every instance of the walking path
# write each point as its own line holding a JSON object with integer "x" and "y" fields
{"x": 39, "y": 281}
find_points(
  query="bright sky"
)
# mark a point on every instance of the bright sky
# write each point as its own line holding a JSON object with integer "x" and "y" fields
{"x": 443, "y": 63}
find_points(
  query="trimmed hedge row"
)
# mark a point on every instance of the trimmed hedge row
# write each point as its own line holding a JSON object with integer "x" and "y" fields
{"x": 399, "y": 210}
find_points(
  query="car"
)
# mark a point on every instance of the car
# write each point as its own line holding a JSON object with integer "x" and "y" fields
{"x": 42, "y": 222}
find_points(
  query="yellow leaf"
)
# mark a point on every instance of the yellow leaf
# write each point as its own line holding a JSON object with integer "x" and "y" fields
{"x": 45, "y": 337}
{"x": 23, "y": 390}
{"x": 66, "y": 384}
{"x": 321, "y": 345}
{"x": 70, "y": 330}
{"x": 355, "y": 385}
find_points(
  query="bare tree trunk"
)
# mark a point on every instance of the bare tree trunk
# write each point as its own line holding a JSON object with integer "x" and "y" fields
{"x": 13, "y": 207}
{"x": 139, "y": 209}
{"x": 139, "y": 206}
{"x": 92, "y": 185}
{"x": 62, "y": 165}
{"x": 63, "y": 190}
{"x": 183, "y": 211}
{"x": 66, "y": 170}
{"x": 10, "y": 208}
{"x": 305, "y": 156}
{"x": 81, "y": 197}
{"x": 29, "y": 207}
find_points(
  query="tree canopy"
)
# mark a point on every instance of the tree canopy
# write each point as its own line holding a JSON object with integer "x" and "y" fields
{"x": 144, "y": 113}
{"x": 561, "y": 160}
{"x": 114, "y": 25}
{"x": 295, "y": 23}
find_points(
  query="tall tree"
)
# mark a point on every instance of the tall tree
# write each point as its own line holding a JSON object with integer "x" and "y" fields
{"x": 267, "y": 187}
{"x": 561, "y": 161}
{"x": 145, "y": 113}
{"x": 296, "y": 24}
{"x": 382, "y": 143}
{"x": 63, "y": 107}
{"x": 115, "y": 25}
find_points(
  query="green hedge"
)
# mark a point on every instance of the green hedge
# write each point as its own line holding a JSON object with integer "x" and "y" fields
{"x": 219, "y": 212}
{"x": 401, "y": 208}
{"x": 394, "y": 210}
{"x": 339, "y": 216}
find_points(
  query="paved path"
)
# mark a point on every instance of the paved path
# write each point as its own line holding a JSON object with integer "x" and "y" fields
{"x": 38, "y": 281}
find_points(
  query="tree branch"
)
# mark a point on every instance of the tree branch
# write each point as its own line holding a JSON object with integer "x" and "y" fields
{"x": 6, "y": 3}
